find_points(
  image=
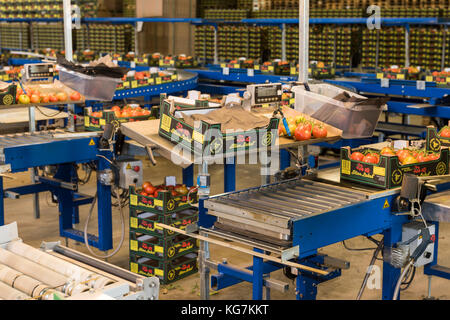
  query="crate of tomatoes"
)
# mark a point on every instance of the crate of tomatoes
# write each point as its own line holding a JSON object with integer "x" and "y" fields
{"x": 442, "y": 137}
{"x": 96, "y": 121}
{"x": 163, "y": 199}
{"x": 385, "y": 168}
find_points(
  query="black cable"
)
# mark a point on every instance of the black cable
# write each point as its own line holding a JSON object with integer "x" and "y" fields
{"x": 357, "y": 249}
{"x": 407, "y": 283}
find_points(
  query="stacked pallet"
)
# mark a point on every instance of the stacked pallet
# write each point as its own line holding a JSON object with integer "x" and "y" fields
{"x": 226, "y": 14}
{"x": 48, "y": 35}
{"x": 155, "y": 251}
{"x": 14, "y": 35}
{"x": 105, "y": 38}
{"x": 204, "y": 43}
{"x": 426, "y": 43}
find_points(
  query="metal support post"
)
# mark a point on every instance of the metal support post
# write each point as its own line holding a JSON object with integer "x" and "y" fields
{"x": 258, "y": 276}
{"x": 407, "y": 57}
{"x": 306, "y": 288}
{"x": 230, "y": 174}
{"x": 283, "y": 42}
{"x": 203, "y": 255}
{"x": 390, "y": 273}
{"x": 104, "y": 208}
{"x": 34, "y": 171}
{"x": 285, "y": 159}
{"x": 216, "y": 48}
{"x": 303, "y": 41}
{"x": 377, "y": 49}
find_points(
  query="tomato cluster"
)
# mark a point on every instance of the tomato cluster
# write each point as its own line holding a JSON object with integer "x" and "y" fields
{"x": 302, "y": 129}
{"x": 35, "y": 96}
{"x": 125, "y": 112}
{"x": 405, "y": 156}
{"x": 149, "y": 190}
{"x": 445, "y": 132}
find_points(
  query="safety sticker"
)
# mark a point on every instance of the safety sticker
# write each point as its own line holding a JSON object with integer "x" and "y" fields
{"x": 386, "y": 204}
{"x": 92, "y": 143}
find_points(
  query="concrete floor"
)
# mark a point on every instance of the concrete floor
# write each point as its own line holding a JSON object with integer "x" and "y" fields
{"x": 33, "y": 232}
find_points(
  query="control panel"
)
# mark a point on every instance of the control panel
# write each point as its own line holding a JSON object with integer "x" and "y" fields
{"x": 412, "y": 231}
{"x": 39, "y": 71}
{"x": 131, "y": 173}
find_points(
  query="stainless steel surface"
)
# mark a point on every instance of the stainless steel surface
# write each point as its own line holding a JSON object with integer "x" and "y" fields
{"x": 437, "y": 207}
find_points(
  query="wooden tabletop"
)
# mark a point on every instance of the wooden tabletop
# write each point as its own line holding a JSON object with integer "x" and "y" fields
{"x": 146, "y": 134}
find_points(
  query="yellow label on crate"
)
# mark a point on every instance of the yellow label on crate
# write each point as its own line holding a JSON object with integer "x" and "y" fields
{"x": 86, "y": 122}
{"x": 134, "y": 84}
{"x": 293, "y": 70}
{"x": 134, "y": 245}
{"x": 134, "y": 267}
{"x": 271, "y": 68}
{"x": 102, "y": 122}
{"x": 447, "y": 79}
{"x": 166, "y": 121}
{"x": 379, "y": 171}
{"x": 159, "y": 203}
{"x": 172, "y": 62}
{"x": 292, "y": 101}
{"x": 133, "y": 221}
{"x": 151, "y": 81}
{"x": 174, "y": 77}
{"x": 346, "y": 166}
{"x": 237, "y": 66}
{"x": 159, "y": 272}
{"x": 126, "y": 84}
{"x": 158, "y": 80}
{"x": 256, "y": 67}
{"x": 198, "y": 137}
{"x": 400, "y": 76}
{"x": 429, "y": 79}
{"x": 146, "y": 60}
{"x": 380, "y": 75}
{"x": 309, "y": 70}
{"x": 157, "y": 227}
{"x": 5, "y": 77}
{"x": 159, "y": 249}
{"x": 223, "y": 65}
{"x": 133, "y": 200}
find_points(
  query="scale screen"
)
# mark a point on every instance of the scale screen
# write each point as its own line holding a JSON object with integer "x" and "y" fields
{"x": 40, "y": 70}
{"x": 264, "y": 94}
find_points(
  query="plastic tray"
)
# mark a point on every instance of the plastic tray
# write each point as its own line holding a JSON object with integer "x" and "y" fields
{"x": 356, "y": 120}
{"x": 93, "y": 88}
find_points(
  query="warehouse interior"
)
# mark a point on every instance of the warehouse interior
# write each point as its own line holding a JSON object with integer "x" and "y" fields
{"x": 225, "y": 150}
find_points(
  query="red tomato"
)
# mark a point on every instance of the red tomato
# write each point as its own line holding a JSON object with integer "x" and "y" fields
{"x": 143, "y": 194}
{"x": 302, "y": 134}
{"x": 370, "y": 158}
{"x": 387, "y": 151}
{"x": 434, "y": 156}
{"x": 125, "y": 114}
{"x": 52, "y": 98}
{"x": 445, "y": 132}
{"x": 403, "y": 154}
{"x": 115, "y": 108}
{"x": 409, "y": 160}
{"x": 357, "y": 156}
{"x": 319, "y": 132}
{"x": 150, "y": 189}
{"x": 75, "y": 96}
{"x": 422, "y": 157}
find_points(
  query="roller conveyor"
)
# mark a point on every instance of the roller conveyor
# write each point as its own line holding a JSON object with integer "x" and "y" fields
{"x": 267, "y": 213}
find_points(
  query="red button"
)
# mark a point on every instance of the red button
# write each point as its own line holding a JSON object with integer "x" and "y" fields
{"x": 137, "y": 168}
{"x": 433, "y": 238}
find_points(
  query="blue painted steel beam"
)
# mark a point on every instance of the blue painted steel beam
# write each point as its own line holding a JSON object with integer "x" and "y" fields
{"x": 188, "y": 176}
{"x": 285, "y": 159}
{"x": 30, "y": 189}
{"x": 2, "y": 203}
{"x": 230, "y": 175}
{"x": 240, "y": 77}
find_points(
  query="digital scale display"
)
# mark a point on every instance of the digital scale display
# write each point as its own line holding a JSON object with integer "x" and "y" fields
{"x": 40, "y": 70}
{"x": 264, "y": 94}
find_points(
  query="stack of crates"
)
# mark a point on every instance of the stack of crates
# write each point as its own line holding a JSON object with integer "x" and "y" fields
{"x": 105, "y": 38}
{"x": 14, "y": 35}
{"x": 426, "y": 43}
{"x": 204, "y": 43}
{"x": 48, "y": 35}
{"x": 155, "y": 251}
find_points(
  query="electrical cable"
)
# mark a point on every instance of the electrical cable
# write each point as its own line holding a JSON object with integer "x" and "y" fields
{"x": 86, "y": 241}
{"x": 407, "y": 283}
{"x": 47, "y": 115}
{"x": 369, "y": 269}
{"x": 357, "y": 249}
{"x": 400, "y": 280}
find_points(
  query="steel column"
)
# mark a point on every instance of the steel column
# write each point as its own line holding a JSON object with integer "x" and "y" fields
{"x": 188, "y": 176}
{"x": 285, "y": 159}
{"x": 2, "y": 203}
{"x": 258, "y": 274}
{"x": 230, "y": 175}
{"x": 104, "y": 208}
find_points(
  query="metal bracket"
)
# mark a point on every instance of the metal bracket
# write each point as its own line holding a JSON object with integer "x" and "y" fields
{"x": 139, "y": 26}
{"x": 290, "y": 253}
{"x": 150, "y": 287}
{"x": 49, "y": 246}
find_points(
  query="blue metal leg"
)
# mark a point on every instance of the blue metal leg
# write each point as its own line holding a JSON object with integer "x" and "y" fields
{"x": 188, "y": 176}
{"x": 258, "y": 274}
{"x": 391, "y": 274}
{"x": 230, "y": 175}
{"x": 2, "y": 204}
{"x": 306, "y": 288}
{"x": 285, "y": 159}
{"x": 104, "y": 210}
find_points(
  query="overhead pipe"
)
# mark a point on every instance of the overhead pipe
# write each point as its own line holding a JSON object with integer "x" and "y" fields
{"x": 32, "y": 269}
{"x": 73, "y": 272}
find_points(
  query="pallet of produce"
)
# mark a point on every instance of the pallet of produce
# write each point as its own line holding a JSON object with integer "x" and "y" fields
{"x": 147, "y": 222}
{"x": 163, "y": 199}
{"x": 96, "y": 121}
{"x": 164, "y": 248}
{"x": 386, "y": 168}
{"x": 46, "y": 94}
{"x": 167, "y": 272}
